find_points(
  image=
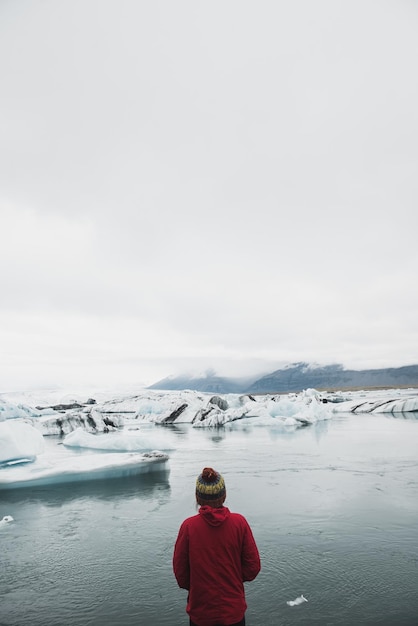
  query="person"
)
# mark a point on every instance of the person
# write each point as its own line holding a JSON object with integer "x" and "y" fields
{"x": 214, "y": 554}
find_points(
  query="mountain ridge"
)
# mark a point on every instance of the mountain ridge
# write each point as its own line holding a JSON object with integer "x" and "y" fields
{"x": 295, "y": 377}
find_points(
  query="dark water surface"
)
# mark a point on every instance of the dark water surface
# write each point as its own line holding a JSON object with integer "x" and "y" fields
{"x": 333, "y": 507}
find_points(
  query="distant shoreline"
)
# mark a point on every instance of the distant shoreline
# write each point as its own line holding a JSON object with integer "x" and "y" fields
{"x": 336, "y": 389}
{"x": 372, "y": 388}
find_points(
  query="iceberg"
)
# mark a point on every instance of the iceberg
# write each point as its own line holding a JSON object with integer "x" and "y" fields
{"x": 19, "y": 441}
{"x": 295, "y": 410}
{"x": 8, "y": 410}
{"x": 388, "y": 401}
{"x": 90, "y": 420}
{"x": 299, "y": 600}
{"x": 58, "y": 469}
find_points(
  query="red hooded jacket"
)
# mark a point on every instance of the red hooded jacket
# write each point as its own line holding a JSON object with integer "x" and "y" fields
{"x": 215, "y": 553}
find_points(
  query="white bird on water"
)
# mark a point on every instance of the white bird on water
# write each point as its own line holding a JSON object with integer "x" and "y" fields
{"x": 6, "y": 519}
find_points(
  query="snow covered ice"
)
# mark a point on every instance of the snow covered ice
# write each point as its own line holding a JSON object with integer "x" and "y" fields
{"x": 9, "y": 410}
{"x": 385, "y": 401}
{"x": 19, "y": 440}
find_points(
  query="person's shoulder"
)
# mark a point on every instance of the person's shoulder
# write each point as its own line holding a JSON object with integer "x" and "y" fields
{"x": 238, "y": 518}
{"x": 189, "y": 521}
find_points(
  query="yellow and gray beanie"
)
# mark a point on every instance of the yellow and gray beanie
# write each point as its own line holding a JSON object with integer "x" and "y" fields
{"x": 210, "y": 488}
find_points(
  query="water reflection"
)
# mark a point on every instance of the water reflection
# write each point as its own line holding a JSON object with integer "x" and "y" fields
{"x": 178, "y": 429}
{"x": 320, "y": 429}
{"x": 218, "y": 437}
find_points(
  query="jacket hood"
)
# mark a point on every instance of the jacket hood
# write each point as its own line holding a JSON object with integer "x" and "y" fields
{"x": 214, "y": 516}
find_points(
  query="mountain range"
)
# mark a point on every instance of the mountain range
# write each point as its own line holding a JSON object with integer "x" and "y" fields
{"x": 295, "y": 377}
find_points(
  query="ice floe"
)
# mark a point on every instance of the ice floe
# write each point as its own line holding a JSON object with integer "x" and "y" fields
{"x": 385, "y": 401}
{"x": 299, "y": 600}
{"x": 90, "y": 419}
{"x": 19, "y": 441}
{"x": 58, "y": 469}
{"x": 9, "y": 410}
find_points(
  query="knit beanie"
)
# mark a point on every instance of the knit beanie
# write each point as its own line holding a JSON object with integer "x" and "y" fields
{"x": 210, "y": 488}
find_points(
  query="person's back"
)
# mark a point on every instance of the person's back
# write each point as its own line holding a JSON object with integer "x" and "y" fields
{"x": 215, "y": 553}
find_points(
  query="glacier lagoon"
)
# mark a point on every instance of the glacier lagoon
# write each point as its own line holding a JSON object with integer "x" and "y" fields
{"x": 333, "y": 507}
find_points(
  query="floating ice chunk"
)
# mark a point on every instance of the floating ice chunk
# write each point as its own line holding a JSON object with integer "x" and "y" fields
{"x": 8, "y": 410}
{"x": 387, "y": 401}
{"x": 19, "y": 440}
{"x": 299, "y": 600}
{"x": 64, "y": 423}
{"x": 6, "y": 520}
{"x": 57, "y": 469}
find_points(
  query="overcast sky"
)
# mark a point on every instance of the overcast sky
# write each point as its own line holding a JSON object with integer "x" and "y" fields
{"x": 189, "y": 184}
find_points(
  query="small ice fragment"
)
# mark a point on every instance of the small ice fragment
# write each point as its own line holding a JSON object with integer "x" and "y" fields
{"x": 6, "y": 519}
{"x": 298, "y": 600}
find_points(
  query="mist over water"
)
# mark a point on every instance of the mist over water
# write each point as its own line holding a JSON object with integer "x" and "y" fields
{"x": 333, "y": 507}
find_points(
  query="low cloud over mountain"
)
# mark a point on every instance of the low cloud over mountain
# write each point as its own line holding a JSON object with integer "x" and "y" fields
{"x": 296, "y": 377}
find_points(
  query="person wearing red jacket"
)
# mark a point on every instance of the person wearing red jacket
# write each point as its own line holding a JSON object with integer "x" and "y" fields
{"x": 214, "y": 554}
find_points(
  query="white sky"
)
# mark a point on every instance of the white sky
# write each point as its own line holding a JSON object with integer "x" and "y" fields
{"x": 189, "y": 184}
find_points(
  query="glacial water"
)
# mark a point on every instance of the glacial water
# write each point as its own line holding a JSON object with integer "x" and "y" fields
{"x": 333, "y": 508}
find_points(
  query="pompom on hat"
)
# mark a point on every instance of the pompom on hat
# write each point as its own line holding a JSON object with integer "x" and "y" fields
{"x": 210, "y": 488}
